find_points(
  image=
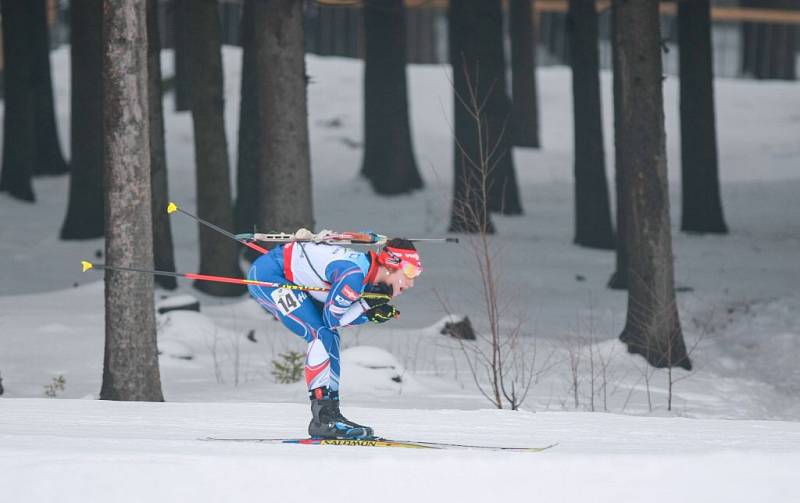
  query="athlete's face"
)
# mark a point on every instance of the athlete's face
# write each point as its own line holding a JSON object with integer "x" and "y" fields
{"x": 397, "y": 279}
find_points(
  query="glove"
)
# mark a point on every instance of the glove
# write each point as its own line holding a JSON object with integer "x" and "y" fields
{"x": 382, "y": 313}
{"x": 381, "y": 294}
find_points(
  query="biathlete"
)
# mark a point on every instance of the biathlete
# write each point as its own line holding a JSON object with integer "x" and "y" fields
{"x": 316, "y": 316}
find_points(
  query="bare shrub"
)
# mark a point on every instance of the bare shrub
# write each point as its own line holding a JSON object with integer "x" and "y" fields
{"x": 56, "y": 384}
{"x": 501, "y": 361}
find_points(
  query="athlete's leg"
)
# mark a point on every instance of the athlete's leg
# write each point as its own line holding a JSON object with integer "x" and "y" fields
{"x": 300, "y": 314}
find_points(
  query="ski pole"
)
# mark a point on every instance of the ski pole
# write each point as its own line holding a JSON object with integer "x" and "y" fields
{"x": 172, "y": 208}
{"x": 219, "y": 279}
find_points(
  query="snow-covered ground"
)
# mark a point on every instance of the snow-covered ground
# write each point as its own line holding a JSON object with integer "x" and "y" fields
{"x": 739, "y": 315}
{"x": 71, "y": 450}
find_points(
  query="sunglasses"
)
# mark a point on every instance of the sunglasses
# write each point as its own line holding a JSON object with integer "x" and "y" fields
{"x": 411, "y": 271}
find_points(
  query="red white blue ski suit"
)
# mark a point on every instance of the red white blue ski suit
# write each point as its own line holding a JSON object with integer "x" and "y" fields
{"x": 316, "y": 316}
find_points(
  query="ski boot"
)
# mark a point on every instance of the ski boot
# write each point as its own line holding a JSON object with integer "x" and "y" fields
{"x": 328, "y": 421}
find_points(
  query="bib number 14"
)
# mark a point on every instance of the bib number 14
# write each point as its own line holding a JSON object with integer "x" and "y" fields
{"x": 286, "y": 300}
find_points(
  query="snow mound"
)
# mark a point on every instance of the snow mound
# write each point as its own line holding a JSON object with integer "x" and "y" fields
{"x": 175, "y": 349}
{"x": 182, "y": 334}
{"x": 368, "y": 369}
{"x": 176, "y": 303}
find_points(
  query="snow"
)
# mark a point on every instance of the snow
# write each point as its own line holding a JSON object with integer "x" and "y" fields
{"x": 732, "y": 434}
{"x": 88, "y": 450}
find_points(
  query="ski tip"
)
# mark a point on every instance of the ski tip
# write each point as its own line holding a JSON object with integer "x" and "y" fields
{"x": 86, "y": 265}
{"x": 172, "y": 208}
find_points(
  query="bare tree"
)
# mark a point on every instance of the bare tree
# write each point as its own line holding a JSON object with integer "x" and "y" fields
{"x": 476, "y": 55}
{"x": 702, "y": 204}
{"x": 592, "y": 208}
{"x": 30, "y": 138}
{"x": 85, "y": 213}
{"x": 218, "y": 254}
{"x": 502, "y": 361}
{"x": 49, "y": 159}
{"x": 652, "y": 328}
{"x": 389, "y": 162}
{"x": 525, "y": 106}
{"x": 619, "y": 279}
{"x": 251, "y": 125}
{"x": 182, "y": 48}
{"x": 130, "y": 364}
{"x": 286, "y": 176}
{"x": 163, "y": 253}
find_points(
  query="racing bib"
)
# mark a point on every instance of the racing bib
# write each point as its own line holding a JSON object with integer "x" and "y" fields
{"x": 286, "y": 300}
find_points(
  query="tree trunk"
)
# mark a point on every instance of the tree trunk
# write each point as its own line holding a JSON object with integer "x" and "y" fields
{"x": 218, "y": 254}
{"x": 19, "y": 124}
{"x": 182, "y": 43}
{"x": 49, "y": 160}
{"x": 85, "y": 212}
{"x": 286, "y": 203}
{"x": 389, "y": 162}
{"x": 251, "y": 127}
{"x": 652, "y": 328}
{"x": 592, "y": 210}
{"x": 525, "y": 108}
{"x": 30, "y": 138}
{"x": 490, "y": 64}
{"x": 702, "y": 204}
{"x": 481, "y": 111}
{"x": 130, "y": 367}
{"x": 163, "y": 254}
{"x": 769, "y": 50}
{"x": 619, "y": 279}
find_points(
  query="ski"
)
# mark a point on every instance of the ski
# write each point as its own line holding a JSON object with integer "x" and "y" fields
{"x": 378, "y": 442}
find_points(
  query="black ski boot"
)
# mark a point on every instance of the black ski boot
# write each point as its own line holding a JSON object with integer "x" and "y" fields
{"x": 328, "y": 421}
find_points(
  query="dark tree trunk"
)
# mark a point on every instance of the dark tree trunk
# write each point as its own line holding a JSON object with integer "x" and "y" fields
{"x": 85, "y": 213}
{"x": 769, "y": 50}
{"x": 163, "y": 254}
{"x": 251, "y": 128}
{"x": 183, "y": 58}
{"x": 49, "y": 160}
{"x": 592, "y": 209}
{"x": 389, "y": 161}
{"x": 491, "y": 65}
{"x": 652, "y": 328}
{"x": 30, "y": 139}
{"x": 19, "y": 140}
{"x": 130, "y": 364}
{"x": 702, "y": 204}
{"x": 218, "y": 254}
{"x": 285, "y": 176}
{"x": 470, "y": 209}
{"x": 619, "y": 279}
{"x": 483, "y": 166}
{"x": 525, "y": 107}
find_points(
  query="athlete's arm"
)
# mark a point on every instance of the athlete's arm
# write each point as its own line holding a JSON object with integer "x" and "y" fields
{"x": 342, "y": 307}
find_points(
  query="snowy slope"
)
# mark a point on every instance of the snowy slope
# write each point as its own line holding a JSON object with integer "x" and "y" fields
{"x": 82, "y": 450}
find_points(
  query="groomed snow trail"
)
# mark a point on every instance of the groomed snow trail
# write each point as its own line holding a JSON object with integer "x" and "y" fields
{"x": 88, "y": 450}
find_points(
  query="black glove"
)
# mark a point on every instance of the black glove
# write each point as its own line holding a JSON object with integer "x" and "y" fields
{"x": 382, "y": 313}
{"x": 379, "y": 295}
